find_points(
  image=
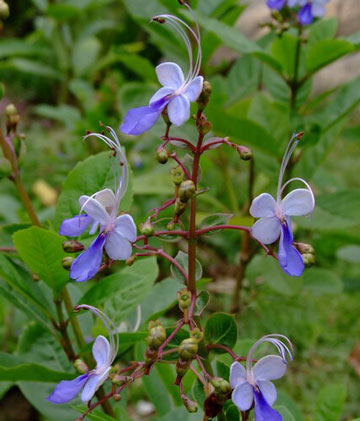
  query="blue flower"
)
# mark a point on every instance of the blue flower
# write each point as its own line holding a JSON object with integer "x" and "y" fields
{"x": 275, "y": 216}
{"x": 275, "y": 4}
{"x": 308, "y": 8}
{"x": 177, "y": 91}
{"x": 101, "y": 211}
{"x": 104, "y": 354}
{"x": 252, "y": 384}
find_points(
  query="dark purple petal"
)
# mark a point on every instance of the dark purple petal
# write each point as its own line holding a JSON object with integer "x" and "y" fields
{"x": 305, "y": 15}
{"x": 139, "y": 120}
{"x": 263, "y": 411}
{"x": 75, "y": 226}
{"x": 275, "y": 4}
{"x": 290, "y": 259}
{"x": 67, "y": 390}
{"x": 87, "y": 264}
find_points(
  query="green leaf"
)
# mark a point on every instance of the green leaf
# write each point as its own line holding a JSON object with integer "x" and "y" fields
{"x": 62, "y": 11}
{"x": 350, "y": 254}
{"x": 2, "y": 90}
{"x": 330, "y": 402}
{"x": 215, "y": 220}
{"x": 285, "y": 413}
{"x": 85, "y": 54}
{"x": 88, "y": 177}
{"x": 325, "y": 52}
{"x": 243, "y": 77}
{"x": 99, "y": 415}
{"x": 153, "y": 183}
{"x": 284, "y": 50}
{"x": 232, "y": 413}
{"x": 321, "y": 281}
{"x": 323, "y": 29}
{"x": 221, "y": 329}
{"x": 68, "y": 115}
{"x": 119, "y": 294}
{"x": 202, "y": 300}
{"x": 42, "y": 251}
{"x": 183, "y": 259}
{"x": 34, "y": 68}
{"x": 17, "y": 47}
{"x": 181, "y": 414}
{"x": 12, "y": 368}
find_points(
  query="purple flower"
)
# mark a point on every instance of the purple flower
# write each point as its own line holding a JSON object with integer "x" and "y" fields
{"x": 253, "y": 383}
{"x": 177, "y": 91}
{"x": 309, "y": 9}
{"x": 275, "y": 4}
{"x": 275, "y": 216}
{"x": 101, "y": 210}
{"x": 104, "y": 354}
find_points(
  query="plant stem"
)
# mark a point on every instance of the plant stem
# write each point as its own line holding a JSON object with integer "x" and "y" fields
{"x": 294, "y": 86}
{"x": 68, "y": 348}
{"x": 227, "y": 181}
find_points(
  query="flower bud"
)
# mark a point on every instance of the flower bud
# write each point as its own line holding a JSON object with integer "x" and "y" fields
{"x": 72, "y": 246}
{"x": 170, "y": 226}
{"x": 147, "y": 229}
{"x": 130, "y": 261}
{"x": 162, "y": 156}
{"x": 117, "y": 397}
{"x": 5, "y": 168}
{"x": 197, "y": 335}
{"x": 10, "y": 109}
{"x": 181, "y": 369}
{"x": 186, "y": 190}
{"x": 188, "y": 349}
{"x": 305, "y": 248}
{"x": 179, "y": 206}
{"x": 205, "y": 126}
{"x": 67, "y": 262}
{"x": 222, "y": 389}
{"x": 309, "y": 259}
{"x": 204, "y": 97}
{"x": 189, "y": 404}
{"x": 177, "y": 175}
{"x": 4, "y": 10}
{"x": 80, "y": 366}
{"x": 184, "y": 298}
{"x": 156, "y": 336}
{"x": 245, "y": 153}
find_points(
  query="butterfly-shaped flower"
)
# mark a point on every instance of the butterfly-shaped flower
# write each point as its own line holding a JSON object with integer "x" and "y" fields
{"x": 252, "y": 384}
{"x": 104, "y": 354}
{"x": 101, "y": 211}
{"x": 177, "y": 91}
{"x": 308, "y": 8}
{"x": 275, "y": 216}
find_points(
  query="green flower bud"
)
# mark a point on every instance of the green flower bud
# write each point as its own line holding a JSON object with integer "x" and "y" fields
{"x": 189, "y": 404}
{"x": 188, "y": 349}
{"x": 204, "y": 97}
{"x": 5, "y": 168}
{"x": 150, "y": 355}
{"x": 179, "y": 206}
{"x": 156, "y": 336}
{"x": 67, "y": 262}
{"x": 197, "y": 335}
{"x": 187, "y": 190}
{"x": 181, "y": 368}
{"x": 80, "y": 366}
{"x": 184, "y": 298}
{"x": 305, "y": 248}
{"x": 245, "y": 153}
{"x": 72, "y": 246}
{"x": 162, "y": 156}
{"x": 147, "y": 229}
{"x": 117, "y": 397}
{"x": 205, "y": 127}
{"x": 309, "y": 259}
{"x": 170, "y": 226}
{"x": 130, "y": 261}
{"x": 10, "y": 109}
{"x": 177, "y": 175}
{"x": 222, "y": 388}
{"x": 4, "y": 10}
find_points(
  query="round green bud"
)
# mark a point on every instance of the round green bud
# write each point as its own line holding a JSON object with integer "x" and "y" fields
{"x": 170, "y": 226}
{"x": 187, "y": 190}
{"x": 309, "y": 259}
{"x": 184, "y": 298}
{"x": 147, "y": 229}
{"x": 67, "y": 262}
{"x": 72, "y": 246}
{"x": 11, "y": 110}
{"x": 162, "y": 156}
{"x": 5, "y": 168}
{"x": 189, "y": 404}
{"x": 221, "y": 386}
{"x": 179, "y": 206}
{"x": 245, "y": 153}
{"x": 4, "y": 10}
{"x": 117, "y": 397}
{"x": 130, "y": 261}
{"x": 204, "y": 96}
{"x": 156, "y": 337}
{"x": 197, "y": 335}
{"x": 177, "y": 175}
{"x": 188, "y": 349}
{"x": 80, "y": 366}
{"x": 305, "y": 248}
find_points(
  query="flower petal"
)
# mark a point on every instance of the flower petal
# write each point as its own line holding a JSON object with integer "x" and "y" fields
{"x": 94, "y": 209}
{"x": 87, "y": 264}
{"x": 298, "y": 202}
{"x": 262, "y": 206}
{"x": 318, "y": 9}
{"x": 125, "y": 226}
{"x": 266, "y": 230}
{"x": 263, "y": 411}
{"x": 139, "y": 120}
{"x": 305, "y": 15}
{"x": 101, "y": 351}
{"x": 243, "y": 396}
{"x": 107, "y": 198}
{"x": 117, "y": 247}
{"x": 90, "y": 388}
{"x": 275, "y": 4}
{"x": 179, "y": 110}
{"x": 270, "y": 367}
{"x": 170, "y": 74}
{"x": 160, "y": 95}
{"x": 237, "y": 374}
{"x": 67, "y": 390}
{"x": 290, "y": 259}
{"x": 194, "y": 89}
{"x": 268, "y": 391}
{"x": 75, "y": 226}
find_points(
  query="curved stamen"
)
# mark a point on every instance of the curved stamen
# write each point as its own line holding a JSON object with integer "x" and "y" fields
{"x": 293, "y": 142}
{"x": 302, "y": 181}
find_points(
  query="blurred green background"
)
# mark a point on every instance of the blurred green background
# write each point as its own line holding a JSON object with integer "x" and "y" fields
{"x": 67, "y": 65}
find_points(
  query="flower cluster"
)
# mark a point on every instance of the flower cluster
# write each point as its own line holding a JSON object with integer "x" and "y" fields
{"x": 308, "y": 9}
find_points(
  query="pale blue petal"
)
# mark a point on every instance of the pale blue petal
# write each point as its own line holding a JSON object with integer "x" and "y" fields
{"x": 292, "y": 3}
{"x": 125, "y": 226}
{"x": 194, "y": 89}
{"x": 101, "y": 351}
{"x": 263, "y": 411}
{"x": 305, "y": 15}
{"x": 139, "y": 120}
{"x": 237, "y": 374}
{"x": 94, "y": 228}
{"x": 268, "y": 390}
{"x": 117, "y": 247}
{"x": 170, "y": 75}
{"x": 87, "y": 264}
{"x": 67, "y": 390}
{"x": 266, "y": 230}
{"x": 106, "y": 198}
{"x": 290, "y": 259}
{"x": 318, "y": 10}
{"x": 75, "y": 226}
{"x": 262, "y": 206}
{"x": 270, "y": 367}
{"x": 243, "y": 396}
{"x": 275, "y": 4}
{"x": 90, "y": 388}
{"x": 179, "y": 110}
{"x": 298, "y": 202}
{"x": 94, "y": 209}
{"x": 160, "y": 95}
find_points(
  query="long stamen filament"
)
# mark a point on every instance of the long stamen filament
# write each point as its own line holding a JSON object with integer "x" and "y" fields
{"x": 287, "y": 155}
